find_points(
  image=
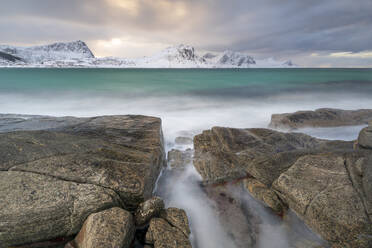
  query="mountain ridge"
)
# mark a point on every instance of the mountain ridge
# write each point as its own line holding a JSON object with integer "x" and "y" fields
{"x": 78, "y": 54}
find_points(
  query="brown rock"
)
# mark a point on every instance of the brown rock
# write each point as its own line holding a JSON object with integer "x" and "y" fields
{"x": 319, "y": 188}
{"x": 113, "y": 160}
{"x": 110, "y": 228}
{"x": 262, "y": 193}
{"x": 225, "y": 154}
{"x": 179, "y": 159}
{"x": 162, "y": 235}
{"x": 325, "y": 117}
{"x": 177, "y": 218}
{"x": 365, "y": 137}
{"x": 35, "y": 207}
{"x": 148, "y": 209}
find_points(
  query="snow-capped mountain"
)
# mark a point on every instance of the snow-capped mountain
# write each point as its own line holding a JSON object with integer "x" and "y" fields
{"x": 229, "y": 59}
{"x": 77, "y": 54}
{"x": 52, "y": 52}
{"x": 181, "y": 56}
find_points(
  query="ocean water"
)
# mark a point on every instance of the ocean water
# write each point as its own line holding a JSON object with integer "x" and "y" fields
{"x": 189, "y": 101}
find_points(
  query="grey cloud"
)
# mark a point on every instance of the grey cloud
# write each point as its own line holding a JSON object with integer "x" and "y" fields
{"x": 257, "y": 26}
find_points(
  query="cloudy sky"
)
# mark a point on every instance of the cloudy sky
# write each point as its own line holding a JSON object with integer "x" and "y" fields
{"x": 310, "y": 32}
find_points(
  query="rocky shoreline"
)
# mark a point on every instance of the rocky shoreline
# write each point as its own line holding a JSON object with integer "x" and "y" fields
{"x": 89, "y": 182}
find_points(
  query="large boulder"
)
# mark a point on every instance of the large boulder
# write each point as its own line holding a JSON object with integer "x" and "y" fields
{"x": 326, "y": 183}
{"x": 365, "y": 137}
{"x": 110, "y": 228}
{"x": 119, "y": 155}
{"x": 225, "y": 154}
{"x": 325, "y": 117}
{"x": 36, "y": 207}
{"x": 326, "y": 193}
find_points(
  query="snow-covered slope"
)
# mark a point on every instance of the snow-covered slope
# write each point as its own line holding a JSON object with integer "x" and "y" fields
{"x": 77, "y": 54}
{"x": 52, "y": 52}
{"x": 229, "y": 59}
{"x": 272, "y": 63}
{"x": 181, "y": 56}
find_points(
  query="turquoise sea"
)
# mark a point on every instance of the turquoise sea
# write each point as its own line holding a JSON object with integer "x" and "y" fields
{"x": 186, "y": 99}
{"x": 189, "y": 101}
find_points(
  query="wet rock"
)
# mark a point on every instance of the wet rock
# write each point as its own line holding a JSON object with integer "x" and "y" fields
{"x": 321, "y": 190}
{"x": 177, "y": 218}
{"x": 35, "y": 207}
{"x": 327, "y": 183}
{"x": 183, "y": 140}
{"x": 110, "y": 228}
{"x": 114, "y": 160}
{"x": 148, "y": 209}
{"x": 179, "y": 159}
{"x": 325, "y": 117}
{"x": 225, "y": 154}
{"x": 162, "y": 235}
{"x": 236, "y": 221}
{"x": 262, "y": 193}
{"x": 365, "y": 137}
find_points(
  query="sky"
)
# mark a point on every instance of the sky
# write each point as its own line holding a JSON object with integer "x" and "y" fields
{"x": 313, "y": 33}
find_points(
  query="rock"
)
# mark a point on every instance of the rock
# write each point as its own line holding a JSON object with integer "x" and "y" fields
{"x": 325, "y": 117}
{"x": 148, "y": 209}
{"x": 225, "y": 154}
{"x": 183, "y": 140}
{"x": 365, "y": 137}
{"x": 14, "y": 122}
{"x": 113, "y": 157}
{"x": 236, "y": 221}
{"x": 321, "y": 190}
{"x": 179, "y": 159}
{"x": 35, "y": 207}
{"x": 177, "y": 218}
{"x": 327, "y": 183}
{"x": 113, "y": 227}
{"x": 262, "y": 193}
{"x": 162, "y": 235}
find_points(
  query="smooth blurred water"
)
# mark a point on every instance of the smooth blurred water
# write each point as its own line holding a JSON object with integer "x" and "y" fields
{"x": 186, "y": 99}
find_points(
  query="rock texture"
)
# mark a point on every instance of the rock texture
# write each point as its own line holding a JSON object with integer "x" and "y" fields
{"x": 326, "y": 183}
{"x": 325, "y": 117}
{"x": 179, "y": 159}
{"x": 365, "y": 137}
{"x": 266, "y": 195}
{"x": 148, "y": 209}
{"x": 110, "y": 228}
{"x": 52, "y": 179}
{"x": 35, "y": 207}
{"x": 322, "y": 190}
{"x": 163, "y": 235}
{"x": 225, "y": 154}
{"x": 177, "y": 218}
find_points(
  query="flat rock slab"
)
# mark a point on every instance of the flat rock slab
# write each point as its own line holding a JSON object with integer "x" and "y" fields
{"x": 225, "y": 154}
{"x": 35, "y": 207}
{"x": 119, "y": 154}
{"x": 326, "y": 193}
{"x": 325, "y": 117}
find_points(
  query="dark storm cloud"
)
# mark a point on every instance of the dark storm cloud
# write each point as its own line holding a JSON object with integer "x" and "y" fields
{"x": 258, "y": 26}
